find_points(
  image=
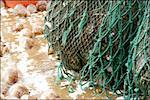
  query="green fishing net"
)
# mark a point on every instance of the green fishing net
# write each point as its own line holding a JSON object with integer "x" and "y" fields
{"x": 138, "y": 63}
{"x": 106, "y": 42}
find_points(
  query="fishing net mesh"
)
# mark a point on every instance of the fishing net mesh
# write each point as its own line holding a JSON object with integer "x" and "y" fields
{"x": 106, "y": 41}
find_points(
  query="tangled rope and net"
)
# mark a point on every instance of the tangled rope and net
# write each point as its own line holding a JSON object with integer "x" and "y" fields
{"x": 107, "y": 42}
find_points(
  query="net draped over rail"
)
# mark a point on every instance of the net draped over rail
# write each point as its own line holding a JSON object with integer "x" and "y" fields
{"x": 106, "y": 41}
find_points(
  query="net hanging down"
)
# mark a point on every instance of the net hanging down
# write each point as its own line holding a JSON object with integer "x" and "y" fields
{"x": 107, "y": 42}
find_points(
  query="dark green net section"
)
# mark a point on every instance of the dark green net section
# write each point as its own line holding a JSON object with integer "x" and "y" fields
{"x": 106, "y": 41}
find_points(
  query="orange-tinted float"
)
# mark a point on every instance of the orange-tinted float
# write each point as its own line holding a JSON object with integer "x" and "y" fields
{"x": 13, "y": 3}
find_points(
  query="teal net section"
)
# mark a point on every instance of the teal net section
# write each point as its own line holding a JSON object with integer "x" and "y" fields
{"x": 138, "y": 63}
{"x": 106, "y": 41}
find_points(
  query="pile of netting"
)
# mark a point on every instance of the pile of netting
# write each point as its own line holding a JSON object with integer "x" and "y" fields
{"x": 106, "y": 41}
